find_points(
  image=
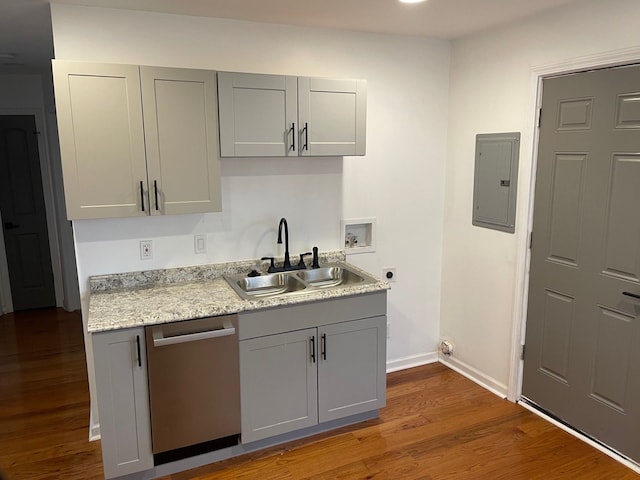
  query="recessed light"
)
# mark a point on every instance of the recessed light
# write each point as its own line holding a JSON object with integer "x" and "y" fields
{"x": 412, "y": 1}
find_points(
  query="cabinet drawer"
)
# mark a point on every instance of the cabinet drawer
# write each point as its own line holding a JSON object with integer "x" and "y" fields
{"x": 309, "y": 315}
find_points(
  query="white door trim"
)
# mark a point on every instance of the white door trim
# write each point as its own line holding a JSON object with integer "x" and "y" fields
{"x": 6, "y": 305}
{"x": 538, "y": 73}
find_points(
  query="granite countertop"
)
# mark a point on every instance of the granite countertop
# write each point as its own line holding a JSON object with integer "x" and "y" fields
{"x": 138, "y": 299}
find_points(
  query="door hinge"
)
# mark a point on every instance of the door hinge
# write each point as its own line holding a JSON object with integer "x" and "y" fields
{"x": 530, "y": 239}
{"x": 539, "y": 117}
{"x": 522, "y": 352}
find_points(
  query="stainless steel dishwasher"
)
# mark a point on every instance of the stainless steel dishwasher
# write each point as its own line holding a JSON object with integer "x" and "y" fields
{"x": 194, "y": 386}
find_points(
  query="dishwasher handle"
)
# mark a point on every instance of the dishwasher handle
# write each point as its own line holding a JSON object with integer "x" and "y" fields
{"x": 159, "y": 340}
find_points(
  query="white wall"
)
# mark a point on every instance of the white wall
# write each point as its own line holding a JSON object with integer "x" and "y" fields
{"x": 493, "y": 90}
{"x": 32, "y": 94}
{"x": 400, "y": 181}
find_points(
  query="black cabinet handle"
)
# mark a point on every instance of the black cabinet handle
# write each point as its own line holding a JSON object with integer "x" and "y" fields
{"x": 312, "y": 342}
{"x": 306, "y": 136}
{"x": 323, "y": 346}
{"x": 138, "y": 349}
{"x": 142, "y": 195}
{"x": 633, "y": 295}
{"x": 293, "y": 137}
{"x": 10, "y": 225}
{"x": 155, "y": 189}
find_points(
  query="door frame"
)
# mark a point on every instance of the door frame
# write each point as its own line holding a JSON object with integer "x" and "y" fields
{"x": 613, "y": 58}
{"x": 6, "y": 304}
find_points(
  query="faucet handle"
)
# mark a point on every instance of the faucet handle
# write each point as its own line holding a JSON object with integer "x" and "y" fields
{"x": 301, "y": 262}
{"x": 272, "y": 266}
{"x": 315, "y": 263}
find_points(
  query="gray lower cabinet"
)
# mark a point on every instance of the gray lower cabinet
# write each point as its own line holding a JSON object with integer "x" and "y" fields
{"x": 278, "y": 387}
{"x": 300, "y": 366}
{"x": 300, "y": 378}
{"x": 351, "y": 368}
{"x": 123, "y": 401}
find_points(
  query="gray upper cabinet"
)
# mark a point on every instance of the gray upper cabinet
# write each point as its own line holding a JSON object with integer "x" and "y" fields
{"x": 119, "y": 162}
{"x": 99, "y": 110}
{"x": 332, "y": 115}
{"x": 277, "y": 115}
{"x": 181, "y": 140}
{"x": 258, "y": 115}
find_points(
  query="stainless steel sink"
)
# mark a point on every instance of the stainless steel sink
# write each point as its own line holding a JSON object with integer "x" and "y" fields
{"x": 296, "y": 281}
{"x": 325, "y": 277}
{"x": 266, "y": 285}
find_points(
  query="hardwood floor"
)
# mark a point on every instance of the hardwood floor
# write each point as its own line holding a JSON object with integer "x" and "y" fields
{"x": 44, "y": 398}
{"x": 437, "y": 425}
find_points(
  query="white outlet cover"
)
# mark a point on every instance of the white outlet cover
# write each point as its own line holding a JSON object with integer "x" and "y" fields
{"x": 146, "y": 249}
{"x": 392, "y": 272}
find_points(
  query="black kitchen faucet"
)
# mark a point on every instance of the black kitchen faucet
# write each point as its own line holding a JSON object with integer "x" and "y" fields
{"x": 286, "y": 265}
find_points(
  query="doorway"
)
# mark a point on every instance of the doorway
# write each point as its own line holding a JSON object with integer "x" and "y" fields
{"x": 24, "y": 222}
{"x": 582, "y": 361}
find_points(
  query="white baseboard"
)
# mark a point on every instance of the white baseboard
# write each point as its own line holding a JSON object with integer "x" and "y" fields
{"x": 412, "y": 361}
{"x": 474, "y": 375}
{"x": 94, "y": 429}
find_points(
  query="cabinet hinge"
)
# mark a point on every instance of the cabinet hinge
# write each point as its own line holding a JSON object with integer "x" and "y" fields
{"x": 522, "y": 352}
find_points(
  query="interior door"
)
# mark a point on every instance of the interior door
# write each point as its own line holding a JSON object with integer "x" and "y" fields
{"x": 24, "y": 221}
{"x": 582, "y": 359}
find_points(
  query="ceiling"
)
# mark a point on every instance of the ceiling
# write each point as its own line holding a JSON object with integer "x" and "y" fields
{"x": 25, "y": 25}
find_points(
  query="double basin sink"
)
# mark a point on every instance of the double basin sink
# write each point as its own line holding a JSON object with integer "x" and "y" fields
{"x": 296, "y": 281}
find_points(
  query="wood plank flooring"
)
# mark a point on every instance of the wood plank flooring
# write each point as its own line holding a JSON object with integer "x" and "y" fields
{"x": 44, "y": 398}
{"x": 437, "y": 425}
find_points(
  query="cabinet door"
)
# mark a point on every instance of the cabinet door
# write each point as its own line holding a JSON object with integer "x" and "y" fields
{"x": 351, "y": 369}
{"x": 278, "y": 384}
{"x": 123, "y": 401}
{"x": 332, "y": 116}
{"x": 181, "y": 140}
{"x": 258, "y": 115}
{"x": 99, "y": 115}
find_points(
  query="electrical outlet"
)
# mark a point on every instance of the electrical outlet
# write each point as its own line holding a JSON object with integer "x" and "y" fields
{"x": 389, "y": 274}
{"x": 200, "y": 243}
{"x": 146, "y": 250}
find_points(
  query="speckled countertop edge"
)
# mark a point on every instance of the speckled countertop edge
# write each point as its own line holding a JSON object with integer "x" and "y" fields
{"x": 160, "y": 296}
{"x": 128, "y": 280}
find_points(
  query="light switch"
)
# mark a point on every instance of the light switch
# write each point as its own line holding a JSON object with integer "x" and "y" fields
{"x": 200, "y": 243}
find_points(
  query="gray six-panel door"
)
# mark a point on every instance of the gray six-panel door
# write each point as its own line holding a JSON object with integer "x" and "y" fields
{"x": 582, "y": 359}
